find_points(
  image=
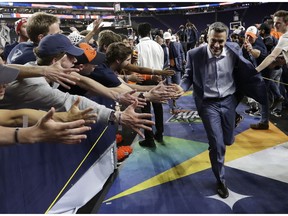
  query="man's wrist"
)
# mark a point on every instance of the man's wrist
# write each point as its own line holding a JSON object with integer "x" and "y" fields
{"x": 156, "y": 72}
{"x": 118, "y": 117}
{"x": 117, "y": 97}
{"x": 146, "y": 95}
{"x": 141, "y": 95}
{"x": 44, "y": 71}
{"x": 29, "y": 135}
{"x": 112, "y": 118}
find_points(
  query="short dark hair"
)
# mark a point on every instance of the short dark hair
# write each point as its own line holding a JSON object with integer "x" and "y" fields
{"x": 265, "y": 27}
{"x": 39, "y": 23}
{"x": 47, "y": 60}
{"x": 117, "y": 51}
{"x": 282, "y": 13}
{"x": 265, "y": 18}
{"x": 218, "y": 27}
{"x": 106, "y": 37}
{"x": 144, "y": 29}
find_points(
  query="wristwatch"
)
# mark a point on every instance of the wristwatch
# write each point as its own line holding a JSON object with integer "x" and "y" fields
{"x": 141, "y": 95}
{"x": 112, "y": 118}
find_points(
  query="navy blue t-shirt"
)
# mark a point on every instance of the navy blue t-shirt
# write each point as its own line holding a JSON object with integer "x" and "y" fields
{"x": 22, "y": 53}
{"x": 259, "y": 44}
{"x": 8, "y": 49}
{"x": 104, "y": 75}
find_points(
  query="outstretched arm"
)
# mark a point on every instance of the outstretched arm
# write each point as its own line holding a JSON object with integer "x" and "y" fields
{"x": 121, "y": 94}
{"x": 54, "y": 72}
{"x": 269, "y": 59}
{"x": 146, "y": 70}
{"x": 186, "y": 80}
{"x": 133, "y": 120}
{"x": 161, "y": 93}
{"x": 14, "y": 118}
{"x": 46, "y": 130}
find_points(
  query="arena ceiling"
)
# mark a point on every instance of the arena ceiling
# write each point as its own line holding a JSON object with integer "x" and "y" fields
{"x": 134, "y": 4}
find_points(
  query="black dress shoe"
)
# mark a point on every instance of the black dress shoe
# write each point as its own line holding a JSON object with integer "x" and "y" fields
{"x": 222, "y": 190}
{"x": 260, "y": 126}
{"x": 158, "y": 137}
{"x": 147, "y": 143}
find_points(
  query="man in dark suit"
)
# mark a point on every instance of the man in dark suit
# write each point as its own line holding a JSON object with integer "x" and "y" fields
{"x": 220, "y": 77}
{"x": 174, "y": 58}
{"x": 182, "y": 37}
{"x": 191, "y": 34}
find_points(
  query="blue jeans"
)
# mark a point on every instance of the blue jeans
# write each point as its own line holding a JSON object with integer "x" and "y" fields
{"x": 275, "y": 86}
{"x": 176, "y": 78}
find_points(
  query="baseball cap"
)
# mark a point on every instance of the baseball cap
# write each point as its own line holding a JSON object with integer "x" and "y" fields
{"x": 7, "y": 74}
{"x": 173, "y": 38}
{"x": 252, "y": 31}
{"x": 167, "y": 36}
{"x": 57, "y": 43}
{"x": 90, "y": 55}
{"x": 19, "y": 23}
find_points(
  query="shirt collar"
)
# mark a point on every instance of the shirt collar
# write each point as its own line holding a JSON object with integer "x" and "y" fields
{"x": 222, "y": 55}
{"x": 144, "y": 39}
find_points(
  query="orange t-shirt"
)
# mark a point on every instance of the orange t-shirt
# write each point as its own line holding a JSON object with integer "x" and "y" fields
{"x": 275, "y": 34}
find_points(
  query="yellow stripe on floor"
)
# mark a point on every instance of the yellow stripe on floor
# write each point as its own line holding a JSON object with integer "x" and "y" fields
{"x": 251, "y": 141}
{"x": 248, "y": 142}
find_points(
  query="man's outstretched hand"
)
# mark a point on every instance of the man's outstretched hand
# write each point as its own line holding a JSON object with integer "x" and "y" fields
{"x": 136, "y": 121}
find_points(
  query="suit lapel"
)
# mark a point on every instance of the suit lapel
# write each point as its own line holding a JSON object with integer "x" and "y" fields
{"x": 203, "y": 64}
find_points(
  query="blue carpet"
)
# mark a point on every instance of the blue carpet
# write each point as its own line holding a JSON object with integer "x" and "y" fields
{"x": 176, "y": 176}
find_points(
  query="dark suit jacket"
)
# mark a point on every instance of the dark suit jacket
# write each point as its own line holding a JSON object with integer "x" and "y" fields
{"x": 178, "y": 54}
{"x": 248, "y": 81}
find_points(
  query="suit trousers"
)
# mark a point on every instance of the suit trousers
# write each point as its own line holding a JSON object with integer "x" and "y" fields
{"x": 158, "y": 114}
{"x": 218, "y": 117}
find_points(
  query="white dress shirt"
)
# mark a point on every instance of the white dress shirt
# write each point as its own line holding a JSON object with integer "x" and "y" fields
{"x": 150, "y": 54}
{"x": 219, "y": 81}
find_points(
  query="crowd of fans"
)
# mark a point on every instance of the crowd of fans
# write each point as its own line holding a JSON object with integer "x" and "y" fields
{"x": 63, "y": 69}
